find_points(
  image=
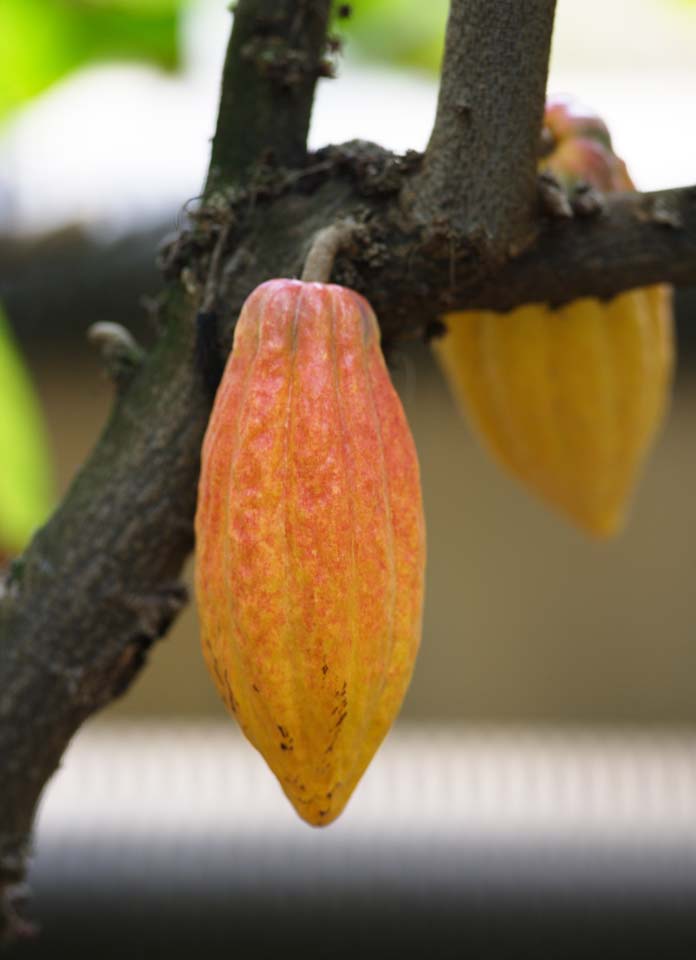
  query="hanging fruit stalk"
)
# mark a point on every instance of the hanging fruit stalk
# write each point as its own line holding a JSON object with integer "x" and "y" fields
{"x": 569, "y": 399}
{"x": 310, "y": 540}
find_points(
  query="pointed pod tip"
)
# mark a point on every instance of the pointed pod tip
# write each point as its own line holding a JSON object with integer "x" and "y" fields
{"x": 316, "y": 812}
{"x": 600, "y": 525}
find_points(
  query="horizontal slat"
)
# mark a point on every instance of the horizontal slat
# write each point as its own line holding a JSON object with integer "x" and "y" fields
{"x": 171, "y": 837}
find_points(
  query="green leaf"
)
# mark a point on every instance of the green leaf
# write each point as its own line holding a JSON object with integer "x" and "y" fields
{"x": 25, "y": 474}
{"x": 407, "y": 33}
{"x": 41, "y": 41}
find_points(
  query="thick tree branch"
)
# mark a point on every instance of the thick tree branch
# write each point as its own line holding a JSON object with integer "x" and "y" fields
{"x": 480, "y": 163}
{"x": 98, "y": 583}
{"x": 116, "y": 544}
{"x": 274, "y": 58}
{"x": 636, "y": 240}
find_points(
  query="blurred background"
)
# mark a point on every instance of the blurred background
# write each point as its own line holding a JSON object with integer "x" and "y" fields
{"x": 546, "y": 749}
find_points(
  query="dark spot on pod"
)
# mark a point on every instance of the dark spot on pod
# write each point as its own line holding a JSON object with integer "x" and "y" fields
{"x": 283, "y": 732}
{"x": 218, "y": 673}
{"x": 255, "y": 688}
{"x": 232, "y": 701}
{"x": 285, "y": 746}
{"x": 341, "y": 718}
{"x": 322, "y": 813}
{"x": 325, "y": 669}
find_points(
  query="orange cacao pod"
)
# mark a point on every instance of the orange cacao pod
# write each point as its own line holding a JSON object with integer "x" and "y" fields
{"x": 310, "y": 540}
{"x": 569, "y": 400}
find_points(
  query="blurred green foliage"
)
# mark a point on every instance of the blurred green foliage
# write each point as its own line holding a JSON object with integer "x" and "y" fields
{"x": 25, "y": 473}
{"x": 41, "y": 41}
{"x": 407, "y": 33}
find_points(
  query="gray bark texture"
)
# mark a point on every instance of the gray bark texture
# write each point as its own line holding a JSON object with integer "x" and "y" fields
{"x": 465, "y": 225}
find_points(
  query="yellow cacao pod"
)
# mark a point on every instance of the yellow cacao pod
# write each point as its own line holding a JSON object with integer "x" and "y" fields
{"x": 569, "y": 400}
{"x": 310, "y": 543}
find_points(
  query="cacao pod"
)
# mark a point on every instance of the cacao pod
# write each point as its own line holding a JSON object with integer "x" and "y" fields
{"x": 310, "y": 544}
{"x": 569, "y": 400}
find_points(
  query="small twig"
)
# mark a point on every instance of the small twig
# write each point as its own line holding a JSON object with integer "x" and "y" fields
{"x": 325, "y": 246}
{"x": 121, "y": 354}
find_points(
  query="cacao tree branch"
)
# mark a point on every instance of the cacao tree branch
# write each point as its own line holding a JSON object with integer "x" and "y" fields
{"x": 480, "y": 164}
{"x": 637, "y": 239}
{"x": 633, "y": 240}
{"x": 274, "y": 58}
{"x": 98, "y": 584}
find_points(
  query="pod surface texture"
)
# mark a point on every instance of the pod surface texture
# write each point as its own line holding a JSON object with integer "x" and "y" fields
{"x": 310, "y": 540}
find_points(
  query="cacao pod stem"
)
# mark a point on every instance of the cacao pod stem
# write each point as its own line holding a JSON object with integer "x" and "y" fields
{"x": 325, "y": 246}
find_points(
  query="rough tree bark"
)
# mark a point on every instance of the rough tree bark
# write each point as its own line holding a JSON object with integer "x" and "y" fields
{"x": 462, "y": 226}
{"x": 494, "y": 195}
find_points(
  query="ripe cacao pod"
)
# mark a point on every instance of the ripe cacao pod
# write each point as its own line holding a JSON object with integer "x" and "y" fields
{"x": 310, "y": 543}
{"x": 569, "y": 400}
